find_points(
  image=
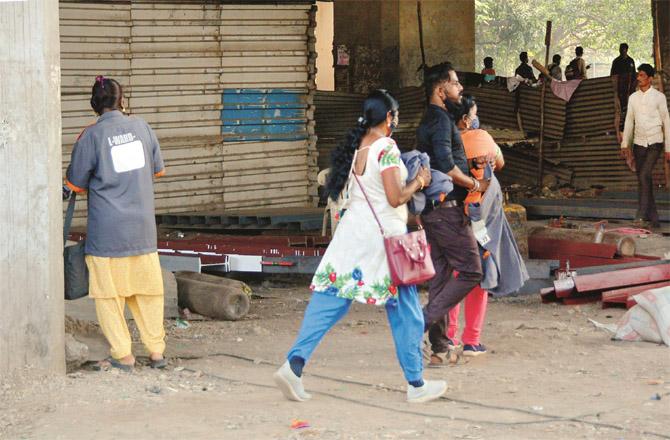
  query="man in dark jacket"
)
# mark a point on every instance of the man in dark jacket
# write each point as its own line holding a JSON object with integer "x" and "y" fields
{"x": 623, "y": 67}
{"x": 453, "y": 245}
{"x": 525, "y": 70}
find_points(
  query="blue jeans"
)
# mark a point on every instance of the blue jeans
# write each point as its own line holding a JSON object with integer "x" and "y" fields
{"x": 404, "y": 315}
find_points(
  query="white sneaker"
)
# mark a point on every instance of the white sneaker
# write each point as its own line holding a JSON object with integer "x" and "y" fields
{"x": 290, "y": 384}
{"x": 431, "y": 390}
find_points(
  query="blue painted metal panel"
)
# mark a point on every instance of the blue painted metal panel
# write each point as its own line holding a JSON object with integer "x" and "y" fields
{"x": 263, "y": 114}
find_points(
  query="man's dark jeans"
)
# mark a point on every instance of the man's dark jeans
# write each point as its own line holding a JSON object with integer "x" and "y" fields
{"x": 645, "y": 159}
{"x": 453, "y": 247}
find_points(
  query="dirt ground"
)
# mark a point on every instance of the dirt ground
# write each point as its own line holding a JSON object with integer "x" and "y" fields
{"x": 549, "y": 374}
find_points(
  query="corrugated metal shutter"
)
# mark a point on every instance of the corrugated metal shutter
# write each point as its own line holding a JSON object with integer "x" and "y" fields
{"x": 95, "y": 39}
{"x": 268, "y": 91}
{"x": 227, "y": 88}
{"x": 175, "y": 87}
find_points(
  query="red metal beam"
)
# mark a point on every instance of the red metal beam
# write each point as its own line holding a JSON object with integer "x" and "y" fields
{"x": 579, "y": 261}
{"x": 576, "y": 300}
{"x": 622, "y": 295}
{"x": 212, "y": 249}
{"x": 552, "y": 249}
{"x": 621, "y": 278}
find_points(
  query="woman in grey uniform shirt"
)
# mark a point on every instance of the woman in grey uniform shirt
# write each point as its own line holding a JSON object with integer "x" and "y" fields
{"x": 115, "y": 160}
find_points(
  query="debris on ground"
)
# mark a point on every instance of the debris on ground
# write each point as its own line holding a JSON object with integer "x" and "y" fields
{"x": 649, "y": 319}
{"x": 592, "y": 284}
{"x": 299, "y": 424}
{"x": 76, "y": 353}
{"x": 212, "y": 296}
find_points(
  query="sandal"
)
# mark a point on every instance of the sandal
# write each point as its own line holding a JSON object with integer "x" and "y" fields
{"x": 110, "y": 362}
{"x": 439, "y": 360}
{"x": 158, "y": 363}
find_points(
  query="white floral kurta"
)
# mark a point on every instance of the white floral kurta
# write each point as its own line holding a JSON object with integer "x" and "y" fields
{"x": 354, "y": 266}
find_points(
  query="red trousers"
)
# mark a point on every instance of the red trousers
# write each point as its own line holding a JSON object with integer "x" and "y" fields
{"x": 475, "y": 312}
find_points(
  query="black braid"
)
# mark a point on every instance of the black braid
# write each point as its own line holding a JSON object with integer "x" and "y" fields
{"x": 375, "y": 109}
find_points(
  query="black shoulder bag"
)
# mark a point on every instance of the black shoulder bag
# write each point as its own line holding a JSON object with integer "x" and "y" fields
{"x": 76, "y": 272}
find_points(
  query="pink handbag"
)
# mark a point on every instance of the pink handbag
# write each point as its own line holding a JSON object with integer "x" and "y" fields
{"x": 408, "y": 255}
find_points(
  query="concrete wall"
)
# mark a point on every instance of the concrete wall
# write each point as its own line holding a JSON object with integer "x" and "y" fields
{"x": 383, "y": 40}
{"x": 448, "y": 34}
{"x": 325, "y": 73}
{"x": 31, "y": 265}
{"x": 661, "y": 11}
{"x": 358, "y": 28}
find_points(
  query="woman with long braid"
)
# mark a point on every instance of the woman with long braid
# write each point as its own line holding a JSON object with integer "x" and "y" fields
{"x": 354, "y": 267}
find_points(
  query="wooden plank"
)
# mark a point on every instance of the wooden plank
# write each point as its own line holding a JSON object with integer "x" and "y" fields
{"x": 175, "y": 12}
{"x": 267, "y": 78}
{"x": 182, "y": 117}
{"x": 176, "y": 29}
{"x": 204, "y": 46}
{"x": 162, "y": 187}
{"x": 266, "y": 179}
{"x": 97, "y": 65}
{"x": 72, "y": 16}
{"x": 251, "y": 148}
{"x": 186, "y": 131}
{"x": 263, "y": 45}
{"x": 177, "y": 61}
{"x": 87, "y": 28}
{"x": 265, "y": 164}
{"x": 107, "y": 47}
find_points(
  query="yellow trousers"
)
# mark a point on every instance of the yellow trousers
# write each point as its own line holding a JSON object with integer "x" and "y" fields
{"x": 147, "y": 311}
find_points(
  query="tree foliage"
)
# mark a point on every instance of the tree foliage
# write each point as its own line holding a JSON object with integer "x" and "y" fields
{"x": 505, "y": 28}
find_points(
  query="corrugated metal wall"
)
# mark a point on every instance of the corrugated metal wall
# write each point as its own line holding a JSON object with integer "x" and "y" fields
{"x": 580, "y": 134}
{"x": 336, "y": 112}
{"x": 228, "y": 88}
{"x": 554, "y": 112}
{"x": 581, "y": 143}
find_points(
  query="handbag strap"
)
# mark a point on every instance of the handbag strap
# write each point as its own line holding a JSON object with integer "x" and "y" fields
{"x": 68, "y": 217}
{"x": 381, "y": 228}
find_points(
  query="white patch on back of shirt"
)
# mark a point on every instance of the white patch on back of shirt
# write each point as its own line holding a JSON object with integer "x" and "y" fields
{"x": 129, "y": 156}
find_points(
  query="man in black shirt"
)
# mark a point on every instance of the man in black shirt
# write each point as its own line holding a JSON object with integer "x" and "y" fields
{"x": 453, "y": 245}
{"x": 524, "y": 70}
{"x": 624, "y": 67}
{"x": 623, "y": 64}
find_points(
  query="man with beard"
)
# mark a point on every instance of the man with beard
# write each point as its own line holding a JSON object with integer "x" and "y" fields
{"x": 453, "y": 244}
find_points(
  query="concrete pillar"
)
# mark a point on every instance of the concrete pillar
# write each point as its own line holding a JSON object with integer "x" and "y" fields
{"x": 358, "y": 29}
{"x": 390, "y": 44}
{"x": 325, "y": 72}
{"x": 382, "y": 37}
{"x": 661, "y": 13}
{"x": 31, "y": 266}
{"x": 448, "y": 35}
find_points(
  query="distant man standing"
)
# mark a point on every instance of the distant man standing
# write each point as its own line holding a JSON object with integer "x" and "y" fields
{"x": 647, "y": 128}
{"x": 624, "y": 67}
{"x": 623, "y": 64}
{"x": 555, "y": 68}
{"x": 577, "y": 67}
{"x": 524, "y": 70}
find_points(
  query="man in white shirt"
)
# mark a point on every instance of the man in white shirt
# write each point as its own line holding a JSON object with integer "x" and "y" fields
{"x": 647, "y": 128}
